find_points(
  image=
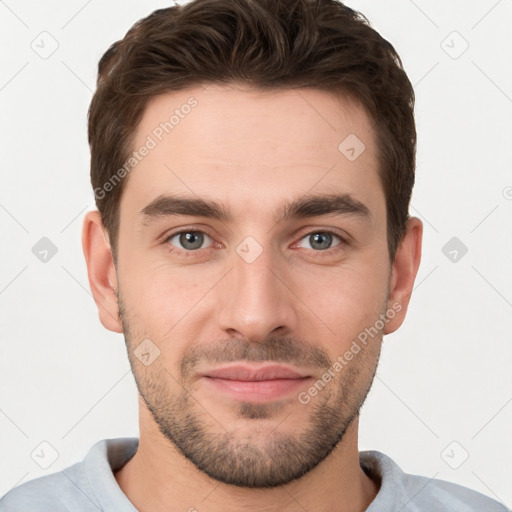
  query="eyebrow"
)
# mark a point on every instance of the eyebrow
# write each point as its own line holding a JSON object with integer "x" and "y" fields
{"x": 311, "y": 205}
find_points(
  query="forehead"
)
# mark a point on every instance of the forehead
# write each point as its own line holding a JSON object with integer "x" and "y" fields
{"x": 241, "y": 145}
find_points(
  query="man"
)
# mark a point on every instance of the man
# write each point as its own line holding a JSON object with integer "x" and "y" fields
{"x": 252, "y": 163}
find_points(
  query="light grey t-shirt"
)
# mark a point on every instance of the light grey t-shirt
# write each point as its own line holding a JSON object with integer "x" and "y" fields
{"x": 90, "y": 486}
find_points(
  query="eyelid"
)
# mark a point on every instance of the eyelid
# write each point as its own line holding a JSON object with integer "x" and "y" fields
{"x": 185, "y": 229}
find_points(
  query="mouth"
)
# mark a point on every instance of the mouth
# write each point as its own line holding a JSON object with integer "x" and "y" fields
{"x": 256, "y": 384}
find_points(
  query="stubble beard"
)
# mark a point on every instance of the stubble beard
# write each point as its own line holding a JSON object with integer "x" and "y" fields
{"x": 247, "y": 459}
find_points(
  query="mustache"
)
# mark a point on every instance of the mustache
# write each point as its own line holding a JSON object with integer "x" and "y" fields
{"x": 279, "y": 350}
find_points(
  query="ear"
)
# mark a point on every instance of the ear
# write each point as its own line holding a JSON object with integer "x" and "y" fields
{"x": 101, "y": 270}
{"x": 403, "y": 273}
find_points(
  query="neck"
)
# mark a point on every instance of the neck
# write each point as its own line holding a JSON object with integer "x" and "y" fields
{"x": 159, "y": 478}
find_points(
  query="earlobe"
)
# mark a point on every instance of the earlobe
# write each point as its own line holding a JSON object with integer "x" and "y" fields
{"x": 101, "y": 270}
{"x": 403, "y": 273}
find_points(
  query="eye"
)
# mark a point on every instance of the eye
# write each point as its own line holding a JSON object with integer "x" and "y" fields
{"x": 320, "y": 240}
{"x": 188, "y": 240}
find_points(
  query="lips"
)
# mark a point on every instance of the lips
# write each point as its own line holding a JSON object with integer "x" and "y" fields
{"x": 251, "y": 383}
{"x": 255, "y": 374}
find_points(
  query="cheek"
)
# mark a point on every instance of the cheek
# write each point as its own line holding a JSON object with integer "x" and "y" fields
{"x": 153, "y": 284}
{"x": 351, "y": 294}
{"x": 347, "y": 299}
{"x": 169, "y": 302}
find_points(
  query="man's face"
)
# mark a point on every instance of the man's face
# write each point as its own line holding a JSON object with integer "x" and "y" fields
{"x": 255, "y": 288}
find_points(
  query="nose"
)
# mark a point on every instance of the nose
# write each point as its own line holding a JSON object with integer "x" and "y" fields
{"x": 256, "y": 299}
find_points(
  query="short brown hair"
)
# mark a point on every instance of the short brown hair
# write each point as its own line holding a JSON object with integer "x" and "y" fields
{"x": 266, "y": 44}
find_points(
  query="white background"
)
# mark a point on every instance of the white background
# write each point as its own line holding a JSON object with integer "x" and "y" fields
{"x": 444, "y": 376}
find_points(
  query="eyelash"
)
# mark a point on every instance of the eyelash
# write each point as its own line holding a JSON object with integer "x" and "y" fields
{"x": 193, "y": 253}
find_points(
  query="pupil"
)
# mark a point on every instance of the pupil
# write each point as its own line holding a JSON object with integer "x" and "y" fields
{"x": 191, "y": 240}
{"x": 322, "y": 240}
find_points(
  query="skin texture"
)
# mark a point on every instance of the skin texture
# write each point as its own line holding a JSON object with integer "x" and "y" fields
{"x": 296, "y": 303}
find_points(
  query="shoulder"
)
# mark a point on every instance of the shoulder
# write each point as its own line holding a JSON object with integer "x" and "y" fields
{"x": 77, "y": 488}
{"x": 50, "y": 493}
{"x": 415, "y": 493}
{"x": 431, "y": 492}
